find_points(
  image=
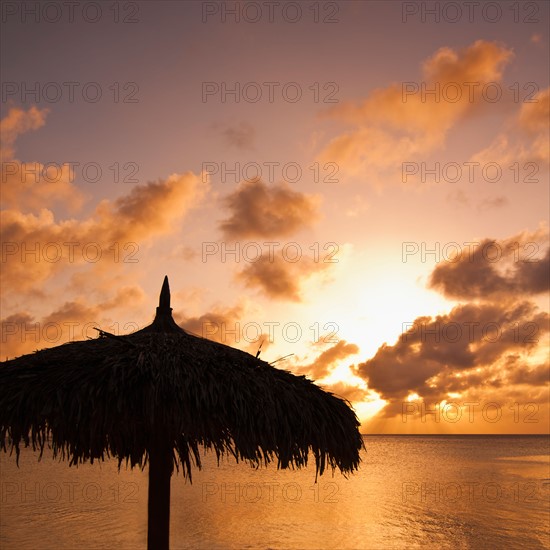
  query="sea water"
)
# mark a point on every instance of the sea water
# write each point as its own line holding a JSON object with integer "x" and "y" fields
{"x": 471, "y": 492}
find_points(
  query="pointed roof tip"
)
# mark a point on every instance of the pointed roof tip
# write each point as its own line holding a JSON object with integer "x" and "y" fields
{"x": 164, "y": 299}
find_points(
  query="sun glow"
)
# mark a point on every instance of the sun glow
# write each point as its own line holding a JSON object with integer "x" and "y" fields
{"x": 384, "y": 307}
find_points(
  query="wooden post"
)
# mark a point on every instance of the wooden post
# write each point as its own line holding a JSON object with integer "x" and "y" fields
{"x": 160, "y": 471}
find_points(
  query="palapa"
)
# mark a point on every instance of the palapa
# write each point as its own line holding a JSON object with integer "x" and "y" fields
{"x": 156, "y": 396}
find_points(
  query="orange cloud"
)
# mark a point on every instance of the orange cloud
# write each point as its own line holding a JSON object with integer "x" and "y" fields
{"x": 32, "y": 185}
{"x": 74, "y": 320}
{"x": 34, "y": 247}
{"x": 347, "y": 391}
{"x": 526, "y": 138}
{"x": 322, "y": 364}
{"x": 18, "y": 122}
{"x": 396, "y": 123}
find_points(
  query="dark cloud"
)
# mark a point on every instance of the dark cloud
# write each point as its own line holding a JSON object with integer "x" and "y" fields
{"x": 213, "y": 324}
{"x": 227, "y": 326}
{"x": 471, "y": 336}
{"x": 241, "y": 136}
{"x": 480, "y": 348}
{"x": 493, "y": 269}
{"x": 507, "y": 373}
{"x": 532, "y": 376}
{"x": 280, "y": 279}
{"x": 259, "y": 210}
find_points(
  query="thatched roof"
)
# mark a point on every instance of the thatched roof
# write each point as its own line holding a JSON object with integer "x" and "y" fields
{"x": 113, "y": 396}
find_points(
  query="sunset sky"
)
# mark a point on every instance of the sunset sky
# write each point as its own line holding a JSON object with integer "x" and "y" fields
{"x": 357, "y": 185}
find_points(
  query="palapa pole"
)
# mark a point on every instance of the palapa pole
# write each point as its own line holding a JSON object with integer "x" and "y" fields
{"x": 158, "y": 507}
{"x": 160, "y": 454}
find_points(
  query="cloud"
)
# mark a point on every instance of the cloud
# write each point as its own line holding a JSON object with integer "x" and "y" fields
{"x": 347, "y": 391}
{"x": 531, "y": 376}
{"x": 259, "y": 210}
{"x": 397, "y": 123}
{"x": 534, "y": 115}
{"x": 74, "y": 320}
{"x": 36, "y": 246}
{"x": 323, "y": 364}
{"x": 184, "y": 252}
{"x": 241, "y": 136}
{"x": 280, "y": 279}
{"x": 525, "y": 138}
{"x": 360, "y": 206}
{"x": 476, "y": 274}
{"x": 464, "y": 342}
{"x": 483, "y": 349}
{"x": 32, "y": 185}
{"x": 152, "y": 207}
{"x": 490, "y": 203}
{"x": 15, "y": 336}
{"x": 228, "y": 326}
{"x": 18, "y": 122}
{"x": 511, "y": 371}
{"x": 458, "y": 198}
{"x": 218, "y": 324}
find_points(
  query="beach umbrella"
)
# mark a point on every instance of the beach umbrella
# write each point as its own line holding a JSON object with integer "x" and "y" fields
{"x": 157, "y": 396}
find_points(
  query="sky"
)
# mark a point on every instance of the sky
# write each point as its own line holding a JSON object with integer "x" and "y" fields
{"x": 360, "y": 188}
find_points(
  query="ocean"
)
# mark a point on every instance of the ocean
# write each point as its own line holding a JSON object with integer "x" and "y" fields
{"x": 459, "y": 492}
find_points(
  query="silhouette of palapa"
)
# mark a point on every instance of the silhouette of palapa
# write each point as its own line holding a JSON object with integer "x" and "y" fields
{"x": 154, "y": 396}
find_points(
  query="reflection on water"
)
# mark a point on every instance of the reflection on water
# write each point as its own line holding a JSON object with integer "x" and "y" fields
{"x": 410, "y": 492}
